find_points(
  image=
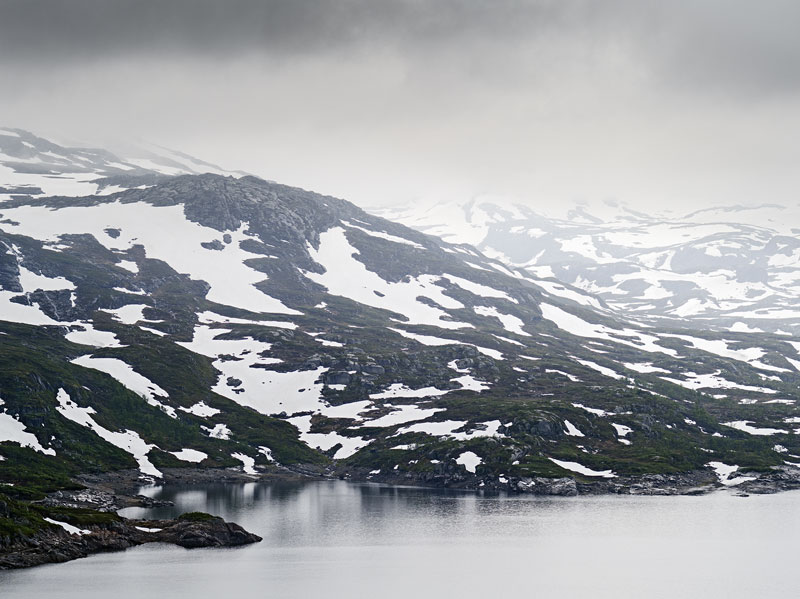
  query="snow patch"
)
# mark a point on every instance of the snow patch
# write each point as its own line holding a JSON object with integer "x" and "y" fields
{"x": 470, "y": 460}
{"x": 73, "y": 530}
{"x": 478, "y": 289}
{"x": 218, "y": 431}
{"x": 190, "y": 455}
{"x": 572, "y": 430}
{"x": 724, "y": 472}
{"x": 347, "y": 277}
{"x": 248, "y": 463}
{"x": 166, "y": 234}
{"x": 745, "y": 426}
{"x": 200, "y": 409}
{"x": 510, "y": 323}
{"x": 581, "y": 469}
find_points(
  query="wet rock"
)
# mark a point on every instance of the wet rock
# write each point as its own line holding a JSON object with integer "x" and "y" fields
{"x": 375, "y": 369}
{"x": 145, "y": 501}
{"x": 782, "y": 478}
{"x": 201, "y": 530}
{"x": 102, "y": 501}
{"x": 337, "y": 378}
{"x": 9, "y": 273}
{"x": 565, "y": 487}
{"x": 543, "y": 428}
{"x": 213, "y": 245}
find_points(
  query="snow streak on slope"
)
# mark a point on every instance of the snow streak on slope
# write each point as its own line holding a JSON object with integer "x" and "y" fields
{"x": 166, "y": 235}
{"x": 325, "y": 441}
{"x": 479, "y": 289}
{"x": 11, "y": 429}
{"x": 246, "y": 379}
{"x": 129, "y": 378}
{"x": 510, "y": 322}
{"x": 66, "y": 184}
{"x": 581, "y": 469}
{"x": 721, "y": 347}
{"x": 449, "y": 428}
{"x": 383, "y": 235}
{"x": 345, "y": 276}
{"x": 128, "y": 441}
{"x": 577, "y": 326}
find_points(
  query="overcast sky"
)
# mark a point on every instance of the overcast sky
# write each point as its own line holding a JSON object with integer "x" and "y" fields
{"x": 687, "y": 102}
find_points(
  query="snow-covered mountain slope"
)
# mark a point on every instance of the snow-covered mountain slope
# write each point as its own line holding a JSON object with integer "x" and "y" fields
{"x": 33, "y": 166}
{"x": 227, "y": 321}
{"x": 735, "y": 268}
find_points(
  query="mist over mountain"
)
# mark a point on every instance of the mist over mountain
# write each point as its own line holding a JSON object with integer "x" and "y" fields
{"x": 721, "y": 268}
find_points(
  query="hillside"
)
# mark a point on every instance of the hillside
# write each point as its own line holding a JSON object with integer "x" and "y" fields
{"x": 204, "y": 320}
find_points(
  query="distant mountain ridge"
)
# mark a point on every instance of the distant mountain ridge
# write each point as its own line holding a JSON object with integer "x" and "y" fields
{"x": 725, "y": 268}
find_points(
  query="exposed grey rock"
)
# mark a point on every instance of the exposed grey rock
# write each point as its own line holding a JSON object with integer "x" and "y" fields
{"x": 213, "y": 245}
{"x": 548, "y": 486}
{"x": 54, "y": 545}
{"x": 373, "y": 369}
{"x": 337, "y": 378}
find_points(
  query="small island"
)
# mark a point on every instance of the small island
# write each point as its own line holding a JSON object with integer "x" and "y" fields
{"x": 32, "y": 534}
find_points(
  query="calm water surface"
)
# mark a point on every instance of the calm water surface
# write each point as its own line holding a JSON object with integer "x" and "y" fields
{"x": 335, "y": 539}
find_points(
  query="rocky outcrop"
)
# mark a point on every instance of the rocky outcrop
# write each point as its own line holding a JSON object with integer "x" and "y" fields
{"x": 696, "y": 482}
{"x": 782, "y": 478}
{"x": 55, "y": 545}
{"x": 197, "y": 530}
{"x": 565, "y": 487}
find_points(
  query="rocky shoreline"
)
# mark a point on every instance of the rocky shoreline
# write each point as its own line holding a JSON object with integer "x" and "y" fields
{"x": 108, "y": 492}
{"x": 116, "y": 490}
{"x": 122, "y": 487}
{"x": 66, "y": 542}
{"x": 696, "y": 482}
{"x": 82, "y": 522}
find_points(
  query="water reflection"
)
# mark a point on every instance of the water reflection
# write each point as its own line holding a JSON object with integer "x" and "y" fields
{"x": 334, "y": 539}
{"x": 335, "y": 511}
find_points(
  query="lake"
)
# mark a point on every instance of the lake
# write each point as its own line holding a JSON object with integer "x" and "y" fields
{"x": 335, "y": 539}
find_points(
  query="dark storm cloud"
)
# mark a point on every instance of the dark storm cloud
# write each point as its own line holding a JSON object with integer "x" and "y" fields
{"x": 738, "y": 45}
{"x": 54, "y": 30}
{"x": 733, "y": 45}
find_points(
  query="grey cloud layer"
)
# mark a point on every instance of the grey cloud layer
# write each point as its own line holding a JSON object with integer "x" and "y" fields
{"x": 646, "y": 100}
{"x": 730, "y": 43}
